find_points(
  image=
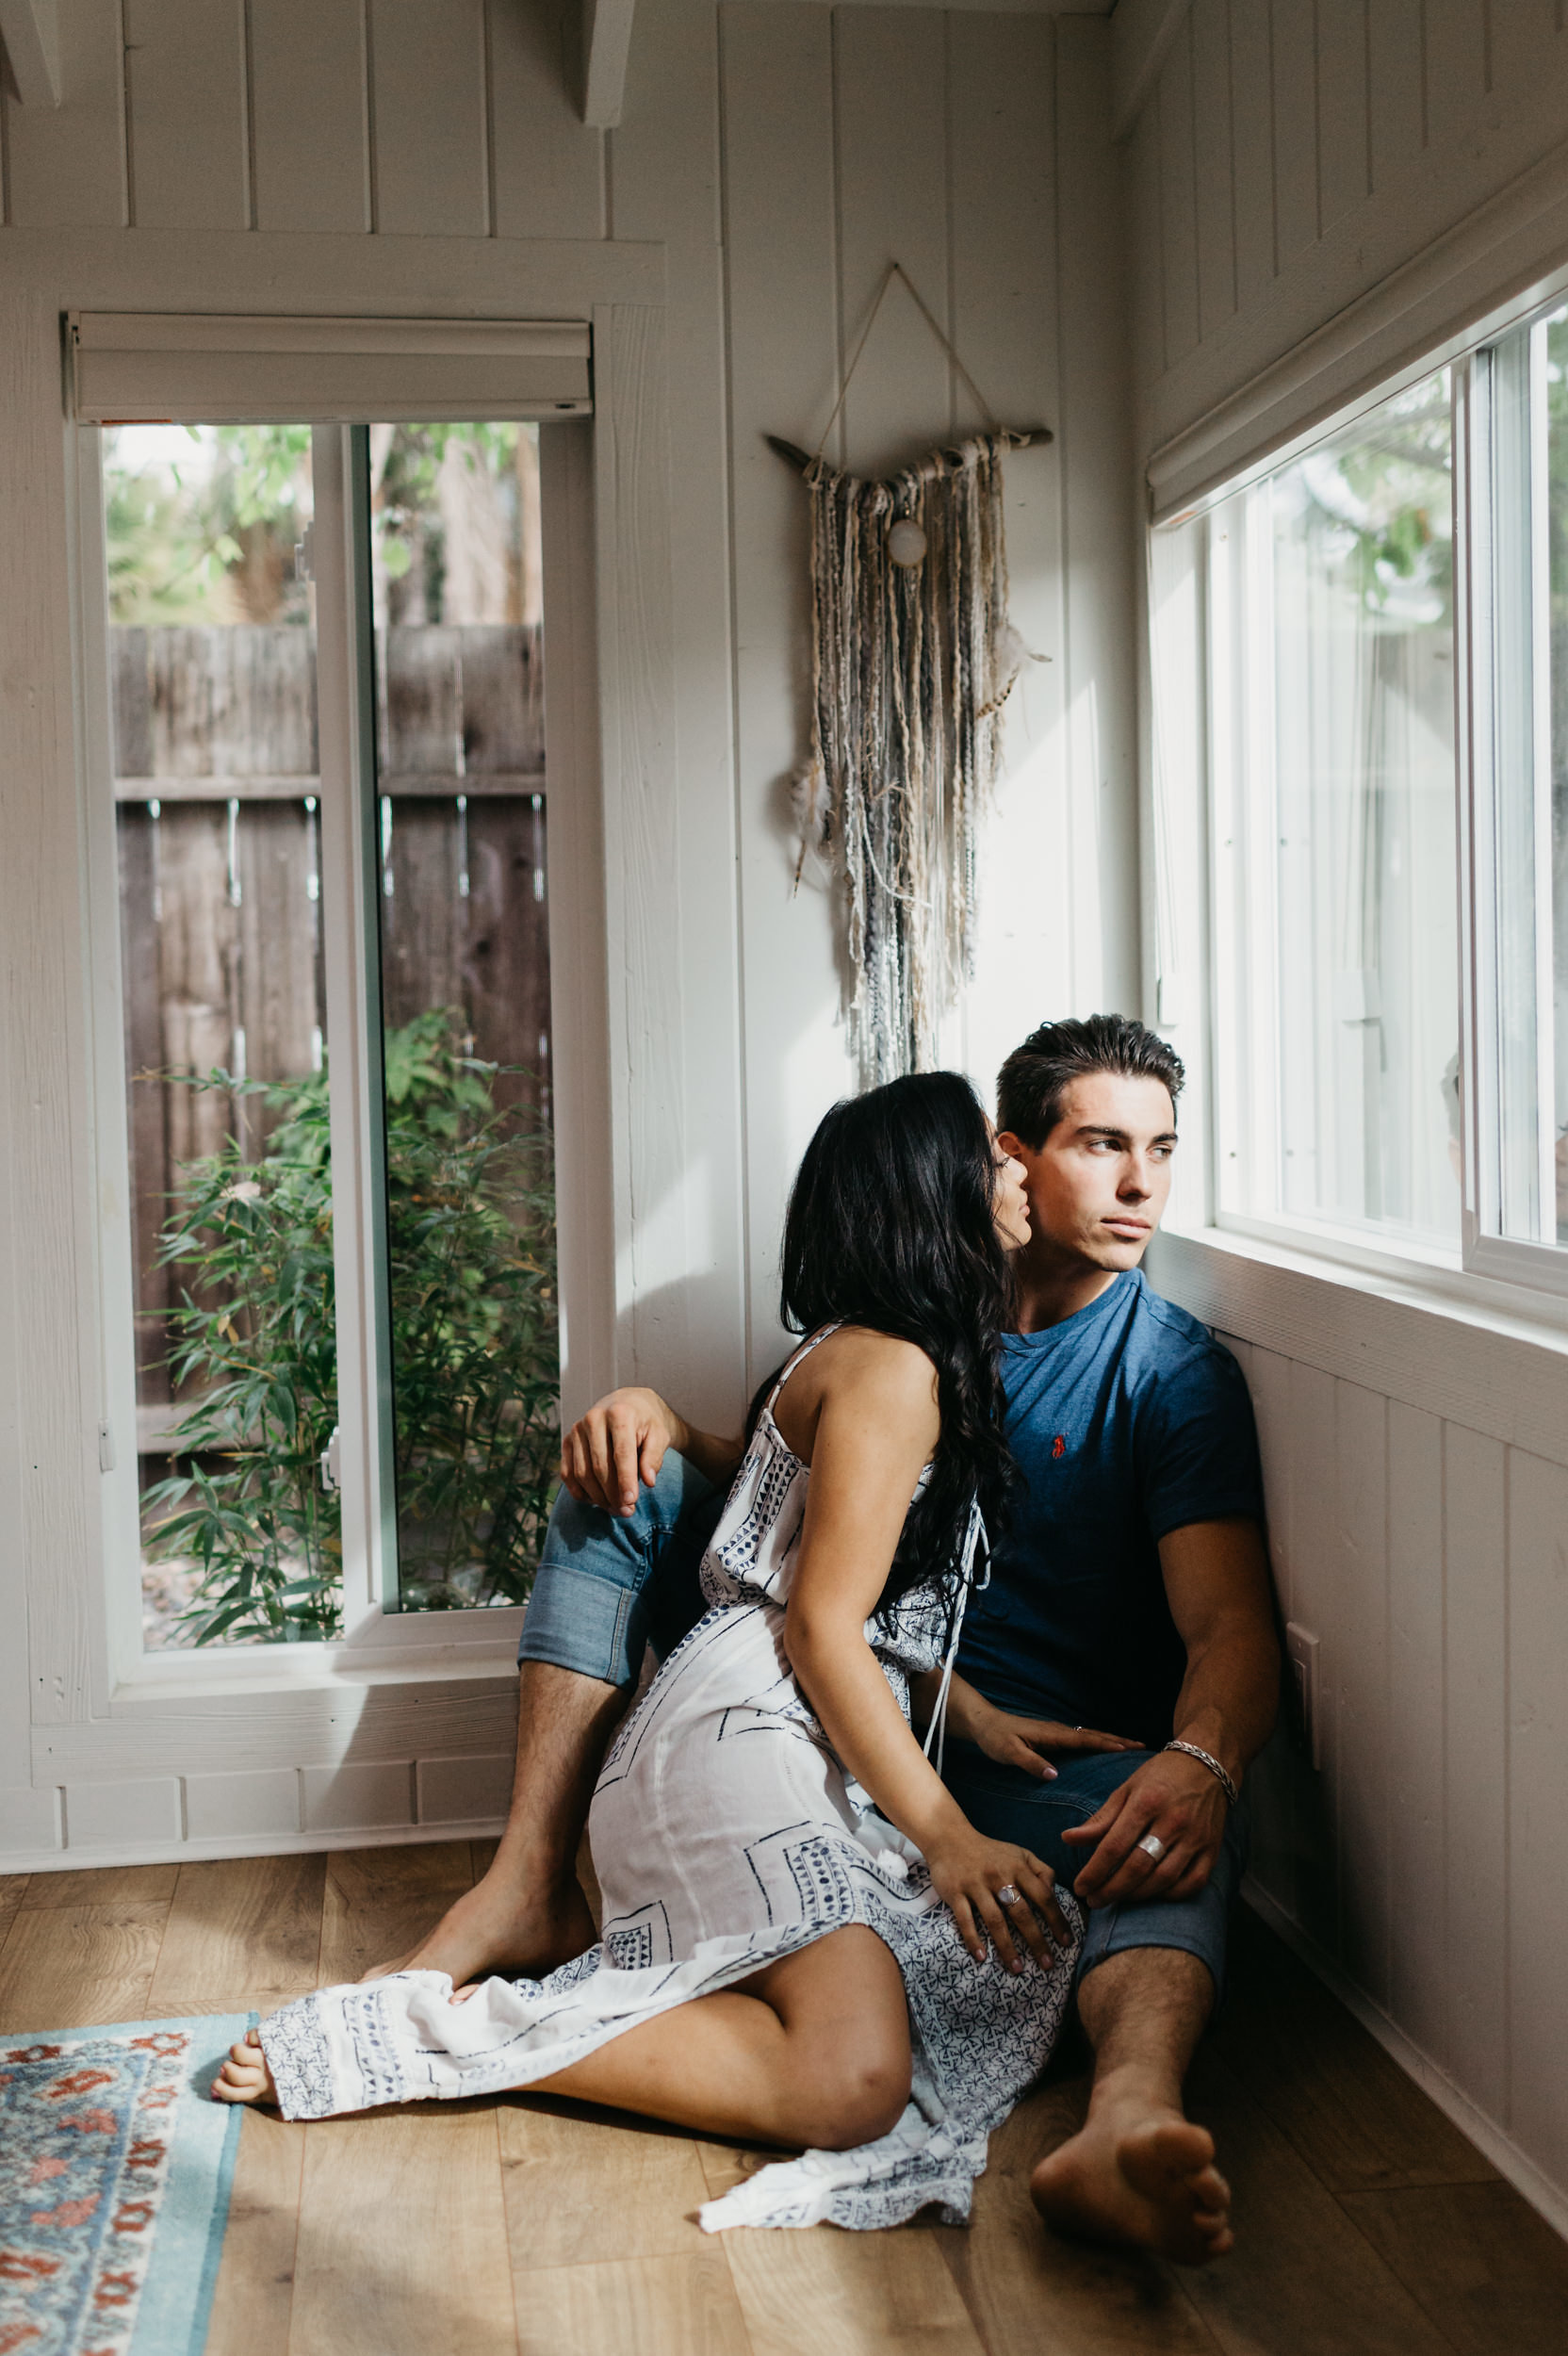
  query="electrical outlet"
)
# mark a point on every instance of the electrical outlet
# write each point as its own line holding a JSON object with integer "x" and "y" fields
{"x": 1303, "y": 1648}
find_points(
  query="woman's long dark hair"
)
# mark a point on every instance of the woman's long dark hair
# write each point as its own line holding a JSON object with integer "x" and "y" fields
{"x": 891, "y": 1226}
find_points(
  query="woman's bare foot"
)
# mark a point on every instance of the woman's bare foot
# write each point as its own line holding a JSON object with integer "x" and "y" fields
{"x": 245, "y": 2077}
{"x": 490, "y": 1928}
{"x": 1143, "y": 2178}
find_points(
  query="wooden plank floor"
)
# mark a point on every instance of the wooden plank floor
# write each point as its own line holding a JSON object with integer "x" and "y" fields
{"x": 1366, "y": 2224}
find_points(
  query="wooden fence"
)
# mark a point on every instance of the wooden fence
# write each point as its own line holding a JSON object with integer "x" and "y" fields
{"x": 215, "y": 781}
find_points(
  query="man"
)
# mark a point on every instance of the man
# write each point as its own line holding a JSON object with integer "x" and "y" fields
{"x": 1131, "y": 1593}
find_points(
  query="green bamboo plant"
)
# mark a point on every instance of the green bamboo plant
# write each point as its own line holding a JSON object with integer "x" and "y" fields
{"x": 471, "y": 1251}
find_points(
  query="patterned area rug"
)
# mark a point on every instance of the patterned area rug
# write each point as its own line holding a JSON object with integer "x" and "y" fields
{"x": 114, "y": 2168}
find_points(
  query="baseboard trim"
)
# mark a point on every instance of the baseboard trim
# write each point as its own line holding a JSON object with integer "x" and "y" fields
{"x": 1483, "y": 2132}
{"x": 233, "y": 1845}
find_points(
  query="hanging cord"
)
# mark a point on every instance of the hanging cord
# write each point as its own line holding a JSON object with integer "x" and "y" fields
{"x": 896, "y": 270}
{"x": 976, "y": 1537}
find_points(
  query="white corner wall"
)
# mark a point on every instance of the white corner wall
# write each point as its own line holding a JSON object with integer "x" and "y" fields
{"x": 334, "y": 155}
{"x": 1294, "y": 172}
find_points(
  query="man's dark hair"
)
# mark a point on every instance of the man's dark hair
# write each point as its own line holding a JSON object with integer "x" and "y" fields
{"x": 1035, "y": 1077}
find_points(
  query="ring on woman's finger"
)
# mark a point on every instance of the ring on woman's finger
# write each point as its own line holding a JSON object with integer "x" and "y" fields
{"x": 1152, "y": 1845}
{"x": 1008, "y": 1894}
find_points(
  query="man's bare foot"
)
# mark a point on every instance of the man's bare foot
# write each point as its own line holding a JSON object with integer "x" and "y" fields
{"x": 245, "y": 2077}
{"x": 487, "y": 1930}
{"x": 1140, "y": 2178}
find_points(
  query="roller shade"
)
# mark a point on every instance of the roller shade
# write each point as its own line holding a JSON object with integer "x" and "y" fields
{"x": 142, "y": 366}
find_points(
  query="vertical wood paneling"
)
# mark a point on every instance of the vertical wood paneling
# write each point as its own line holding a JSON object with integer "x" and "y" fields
{"x": 642, "y": 837}
{"x": 1253, "y": 149}
{"x": 1537, "y": 1821}
{"x": 1001, "y": 141}
{"x": 890, "y": 76}
{"x": 1146, "y": 239}
{"x": 1456, "y": 69}
{"x": 186, "y": 110}
{"x": 1418, "y": 1962}
{"x": 665, "y": 182}
{"x": 308, "y": 114}
{"x": 778, "y": 82}
{"x": 1316, "y": 1594}
{"x": 1523, "y": 41}
{"x": 1096, "y": 593}
{"x": 428, "y": 115}
{"x": 1359, "y": 1657}
{"x": 1294, "y": 115}
{"x": 65, "y": 167}
{"x": 1178, "y": 200}
{"x": 1475, "y": 1767}
{"x": 1394, "y": 93}
{"x": 548, "y": 167}
{"x": 1211, "y": 99}
{"x": 1002, "y": 177}
{"x": 664, "y": 157}
{"x": 1343, "y": 176}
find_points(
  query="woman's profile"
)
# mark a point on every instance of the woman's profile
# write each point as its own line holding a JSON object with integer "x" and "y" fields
{"x": 806, "y": 1942}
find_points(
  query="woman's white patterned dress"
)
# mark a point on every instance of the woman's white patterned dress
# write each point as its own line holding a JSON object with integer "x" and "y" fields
{"x": 725, "y": 1834}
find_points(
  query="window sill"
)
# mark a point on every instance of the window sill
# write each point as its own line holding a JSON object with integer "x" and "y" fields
{"x": 387, "y": 1649}
{"x": 1457, "y": 1345}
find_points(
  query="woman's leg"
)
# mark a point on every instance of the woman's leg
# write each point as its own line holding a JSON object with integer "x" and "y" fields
{"x": 812, "y": 2052}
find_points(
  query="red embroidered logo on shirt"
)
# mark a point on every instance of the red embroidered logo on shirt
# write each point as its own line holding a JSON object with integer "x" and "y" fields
{"x": 1058, "y": 1446}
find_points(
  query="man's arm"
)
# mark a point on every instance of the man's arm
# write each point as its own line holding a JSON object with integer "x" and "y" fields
{"x": 623, "y": 1438}
{"x": 1216, "y": 1581}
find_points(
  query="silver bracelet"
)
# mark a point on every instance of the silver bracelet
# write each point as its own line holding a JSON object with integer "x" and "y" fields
{"x": 1214, "y": 1767}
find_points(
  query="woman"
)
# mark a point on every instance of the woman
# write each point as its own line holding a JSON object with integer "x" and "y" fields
{"x": 788, "y": 1888}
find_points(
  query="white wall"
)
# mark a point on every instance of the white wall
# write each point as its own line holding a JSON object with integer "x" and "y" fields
{"x": 1343, "y": 179}
{"x": 384, "y": 156}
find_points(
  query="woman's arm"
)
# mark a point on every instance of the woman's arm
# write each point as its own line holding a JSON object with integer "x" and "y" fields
{"x": 866, "y": 1423}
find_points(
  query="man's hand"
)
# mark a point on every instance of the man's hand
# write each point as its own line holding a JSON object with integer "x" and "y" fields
{"x": 1031, "y": 1743}
{"x": 620, "y": 1441}
{"x": 1176, "y": 1800}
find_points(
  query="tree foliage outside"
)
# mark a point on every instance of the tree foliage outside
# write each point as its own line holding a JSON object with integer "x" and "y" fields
{"x": 1381, "y": 497}
{"x": 202, "y": 522}
{"x": 471, "y": 1246}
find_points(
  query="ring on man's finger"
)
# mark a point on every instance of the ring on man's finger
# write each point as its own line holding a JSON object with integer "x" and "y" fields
{"x": 1008, "y": 1894}
{"x": 1152, "y": 1845}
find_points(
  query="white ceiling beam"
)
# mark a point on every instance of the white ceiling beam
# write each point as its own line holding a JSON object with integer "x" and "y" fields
{"x": 31, "y": 32}
{"x": 1142, "y": 35}
{"x": 606, "y": 40}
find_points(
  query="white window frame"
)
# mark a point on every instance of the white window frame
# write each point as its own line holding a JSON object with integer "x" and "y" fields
{"x": 1208, "y": 848}
{"x": 375, "y": 1636}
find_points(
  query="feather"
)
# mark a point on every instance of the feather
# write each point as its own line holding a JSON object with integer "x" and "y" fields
{"x": 811, "y": 811}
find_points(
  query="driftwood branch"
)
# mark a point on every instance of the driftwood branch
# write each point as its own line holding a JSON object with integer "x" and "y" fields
{"x": 1021, "y": 435}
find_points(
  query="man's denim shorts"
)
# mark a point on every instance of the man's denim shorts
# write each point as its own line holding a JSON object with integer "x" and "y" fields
{"x": 1009, "y": 1805}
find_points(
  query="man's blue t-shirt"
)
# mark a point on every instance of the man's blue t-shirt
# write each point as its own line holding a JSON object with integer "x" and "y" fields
{"x": 1127, "y": 1420}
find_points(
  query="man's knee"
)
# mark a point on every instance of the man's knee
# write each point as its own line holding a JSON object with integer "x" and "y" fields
{"x": 589, "y": 1609}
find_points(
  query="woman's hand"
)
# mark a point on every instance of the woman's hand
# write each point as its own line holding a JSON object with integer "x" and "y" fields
{"x": 1029, "y": 1743}
{"x": 971, "y": 1873}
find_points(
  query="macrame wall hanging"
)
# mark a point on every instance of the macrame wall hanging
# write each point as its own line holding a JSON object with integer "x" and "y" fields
{"x": 913, "y": 657}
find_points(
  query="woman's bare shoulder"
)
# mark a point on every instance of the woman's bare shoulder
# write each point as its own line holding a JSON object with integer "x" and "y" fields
{"x": 865, "y": 1384}
{"x": 889, "y": 1369}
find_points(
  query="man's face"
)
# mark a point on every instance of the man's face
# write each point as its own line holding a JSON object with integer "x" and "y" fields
{"x": 1098, "y": 1185}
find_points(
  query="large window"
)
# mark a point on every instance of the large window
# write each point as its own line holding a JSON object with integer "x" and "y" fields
{"x": 408, "y": 894}
{"x": 1377, "y": 761}
{"x": 1332, "y": 647}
